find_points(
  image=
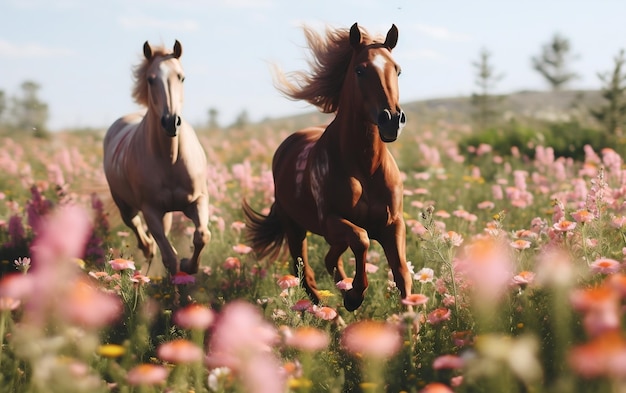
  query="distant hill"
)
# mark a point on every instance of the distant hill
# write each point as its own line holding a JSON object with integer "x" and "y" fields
{"x": 543, "y": 105}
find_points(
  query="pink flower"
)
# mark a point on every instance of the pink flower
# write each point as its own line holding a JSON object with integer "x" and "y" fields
{"x": 232, "y": 263}
{"x": 242, "y": 249}
{"x": 345, "y": 284}
{"x": 238, "y": 226}
{"x": 370, "y": 268}
{"x": 179, "y": 351}
{"x": 147, "y": 374}
{"x": 583, "y": 215}
{"x": 140, "y": 278}
{"x": 372, "y": 339}
{"x": 564, "y": 225}
{"x": 288, "y": 281}
{"x": 520, "y": 244}
{"x": 416, "y": 299}
{"x": 486, "y": 205}
{"x": 9, "y": 303}
{"x": 89, "y": 307}
{"x": 182, "y": 278}
{"x": 523, "y": 278}
{"x": 324, "y": 312}
{"x": 122, "y": 264}
{"x": 603, "y": 356}
{"x": 438, "y": 315}
{"x": 600, "y": 307}
{"x": 194, "y": 316}
{"x": 605, "y": 266}
{"x": 453, "y": 238}
{"x": 302, "y": 305}
{"x": 308, "y": 338}
{"x": 448, "y": 362}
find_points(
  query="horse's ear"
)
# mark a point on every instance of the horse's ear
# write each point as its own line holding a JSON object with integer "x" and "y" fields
{"x": 392, "y": 37}
{"x": 147, "y": 51}
{"x": 355, "y": 36}
{"x": 178, "y": 49}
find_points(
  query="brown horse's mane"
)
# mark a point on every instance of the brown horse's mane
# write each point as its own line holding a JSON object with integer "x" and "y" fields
{"x": 140, "y": 90}
{"x": 331, "y": 56}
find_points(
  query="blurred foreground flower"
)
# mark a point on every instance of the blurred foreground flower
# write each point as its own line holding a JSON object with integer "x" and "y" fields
{"x": 372, "y": 339}
{"x": 147, "y": 374}
{"x": 194, "y": 316}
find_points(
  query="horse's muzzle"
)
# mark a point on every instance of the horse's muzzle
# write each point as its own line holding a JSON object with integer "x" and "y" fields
{"x": 170, "y": 124}
{"x": 390, "y": 125}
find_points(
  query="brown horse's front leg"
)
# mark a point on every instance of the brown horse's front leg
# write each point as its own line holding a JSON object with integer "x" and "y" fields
{"x": 342, "y": 231}
{"x": 393, "y": 241}
{"x": 199, "y": 215}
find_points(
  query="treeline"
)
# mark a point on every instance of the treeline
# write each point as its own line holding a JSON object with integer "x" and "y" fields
{"x": 567, "y": 138}
{"x": 24, "y": 112}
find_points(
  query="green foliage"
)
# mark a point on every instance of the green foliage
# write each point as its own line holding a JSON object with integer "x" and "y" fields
{"x": 566, "y": 139}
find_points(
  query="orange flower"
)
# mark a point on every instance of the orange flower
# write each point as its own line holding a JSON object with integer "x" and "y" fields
{"x": 194, "y": 316}
{"x": 308, "y": 338}
{"x": 179, "y": 351}
{"x": 147, "y": 374}
{"x": 436, "y": 387}
{"x": 603, "y": 356}
{"x": 288, "y": 281}
{"x": 372, "y": 338}
{"x": 416, "y": 299}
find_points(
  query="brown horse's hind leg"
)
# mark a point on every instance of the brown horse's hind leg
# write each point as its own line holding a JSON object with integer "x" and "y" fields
{"x": 342, "y": 231}
{"x": 296, "y": 240}
{"x": 199, "y": 215}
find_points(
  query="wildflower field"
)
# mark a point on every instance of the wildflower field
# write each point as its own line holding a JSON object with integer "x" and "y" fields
{"x": 517, "y": 265}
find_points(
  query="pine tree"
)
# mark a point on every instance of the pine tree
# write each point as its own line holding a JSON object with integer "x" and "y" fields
{"x": 553, "y": 62}
{"x": 29, "y": 112}
{"x": 613, "y": 114}
{"x": 484, "y": 101}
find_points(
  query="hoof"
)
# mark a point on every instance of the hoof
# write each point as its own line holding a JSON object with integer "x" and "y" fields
{"x": 187, "y": 267}
{"x": 352, "y": 300}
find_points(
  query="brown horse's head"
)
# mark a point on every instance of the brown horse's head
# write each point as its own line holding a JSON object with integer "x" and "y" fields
{"x": 159, "y": 85}
{"x": 375, "y": 76}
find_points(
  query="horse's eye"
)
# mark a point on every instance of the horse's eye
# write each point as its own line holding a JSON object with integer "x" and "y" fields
{"x": 181, "y": 77}
{"x": 151, "y": 79}
{"x": 359, "y": 70}
{"x": 399, "y": 71}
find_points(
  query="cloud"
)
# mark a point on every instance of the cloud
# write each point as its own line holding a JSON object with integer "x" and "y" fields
{"x": 442, "y": 33}
{"x": 29, "y": 50}
{"x": 138, "y": 22}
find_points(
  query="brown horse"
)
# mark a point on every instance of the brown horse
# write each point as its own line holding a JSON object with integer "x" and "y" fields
{"x": 154, "y": 163}
{"x": 340, "y": 182}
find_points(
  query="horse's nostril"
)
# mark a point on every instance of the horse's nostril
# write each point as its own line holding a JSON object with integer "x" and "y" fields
{"x": 384, "y": 117}
{"x": 402, "y": 117}
{"x": 178, "y": 121}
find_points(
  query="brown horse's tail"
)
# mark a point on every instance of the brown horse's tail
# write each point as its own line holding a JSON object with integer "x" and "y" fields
{"x": 264, "y": 233}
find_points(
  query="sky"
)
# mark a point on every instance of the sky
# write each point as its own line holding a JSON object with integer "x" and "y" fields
{"x": 81, "y": 52}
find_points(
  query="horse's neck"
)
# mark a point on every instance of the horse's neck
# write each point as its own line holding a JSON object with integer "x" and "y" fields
{"x": 359, "y": 141}
{"x": 160, "y": 144}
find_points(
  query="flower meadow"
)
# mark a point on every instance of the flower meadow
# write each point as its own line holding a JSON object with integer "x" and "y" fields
{"x": 517, "y": 261}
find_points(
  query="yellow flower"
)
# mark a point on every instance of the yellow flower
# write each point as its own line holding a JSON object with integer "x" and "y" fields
{"x": 296, "y": 383}
{"x": 111, "y": 350}
{"x": 79, "y": 262}
{"x": 324, "y": 293}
